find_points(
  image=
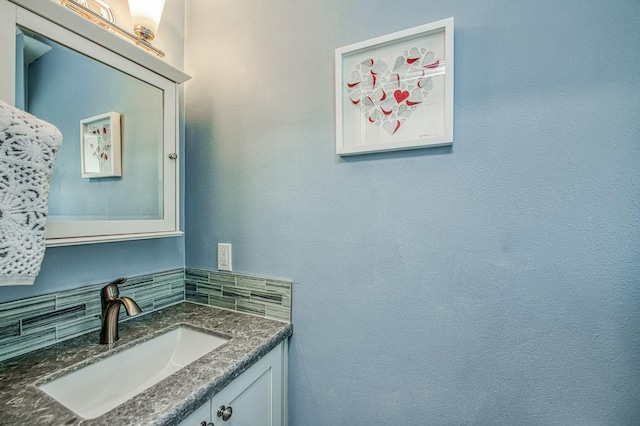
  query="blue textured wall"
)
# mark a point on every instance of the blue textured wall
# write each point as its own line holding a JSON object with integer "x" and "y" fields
{"x": 496, "y": 282}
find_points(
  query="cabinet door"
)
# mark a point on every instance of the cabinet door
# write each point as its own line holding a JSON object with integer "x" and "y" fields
{"x": 202, "y": 414}
{"x": 255, "y": 397}
{"x": 143, "y": 202}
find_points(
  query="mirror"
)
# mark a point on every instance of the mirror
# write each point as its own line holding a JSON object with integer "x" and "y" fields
{"x": 101, "y": 101}
{"x": 65, "y": 87}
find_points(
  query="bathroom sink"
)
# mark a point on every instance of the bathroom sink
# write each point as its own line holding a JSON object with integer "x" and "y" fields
{"x": 102, "y": 386}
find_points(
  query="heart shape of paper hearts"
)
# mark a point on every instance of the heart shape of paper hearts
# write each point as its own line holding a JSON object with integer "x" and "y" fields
{"x": 388, "y": 96}
{"x": 400, "y": 95}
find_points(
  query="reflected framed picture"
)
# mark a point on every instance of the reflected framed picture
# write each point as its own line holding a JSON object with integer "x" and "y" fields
{"x": 100, "y": 146}
{"x": 395, "y": 92}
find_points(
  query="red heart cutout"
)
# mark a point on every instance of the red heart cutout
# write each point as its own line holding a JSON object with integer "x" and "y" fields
{"x": 400, "y": 95}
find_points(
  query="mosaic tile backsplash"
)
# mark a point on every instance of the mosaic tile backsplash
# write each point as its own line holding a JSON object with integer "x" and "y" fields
{"x": 36, "y": 322}
{"x": 259, "y": 296}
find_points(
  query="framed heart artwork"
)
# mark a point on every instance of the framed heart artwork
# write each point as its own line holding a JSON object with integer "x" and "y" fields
{"x": 100, "y": 148}
{"x": 396, "y": 91}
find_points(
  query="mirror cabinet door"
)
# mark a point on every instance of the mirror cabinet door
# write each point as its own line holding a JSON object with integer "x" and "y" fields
{"x": 115, "y": 177}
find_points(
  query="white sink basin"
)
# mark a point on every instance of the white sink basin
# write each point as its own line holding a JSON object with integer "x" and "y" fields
{"x": 100, "y": 387}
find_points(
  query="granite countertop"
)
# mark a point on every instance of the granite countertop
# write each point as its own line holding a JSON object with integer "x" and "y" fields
{"x": 165, "y": 403}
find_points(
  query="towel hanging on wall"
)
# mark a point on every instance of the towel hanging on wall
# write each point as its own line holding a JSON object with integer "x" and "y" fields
{"x": 28, "y": 149}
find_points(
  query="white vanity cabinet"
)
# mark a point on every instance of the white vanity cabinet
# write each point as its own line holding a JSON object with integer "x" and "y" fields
{"x": 65, "y": 69}
{"x": 255, "y": 398}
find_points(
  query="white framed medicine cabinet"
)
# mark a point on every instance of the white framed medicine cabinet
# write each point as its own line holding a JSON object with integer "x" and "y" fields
{"x": 63, "y": 69}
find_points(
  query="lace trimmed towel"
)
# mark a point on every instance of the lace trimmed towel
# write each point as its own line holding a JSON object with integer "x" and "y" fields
{"x": 28, "y": 149}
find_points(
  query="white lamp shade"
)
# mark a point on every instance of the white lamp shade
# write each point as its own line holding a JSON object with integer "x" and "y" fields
{"x": 146, "y": 13}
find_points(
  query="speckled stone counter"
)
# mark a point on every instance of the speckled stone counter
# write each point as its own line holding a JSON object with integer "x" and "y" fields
{"x": 165, "y": 403}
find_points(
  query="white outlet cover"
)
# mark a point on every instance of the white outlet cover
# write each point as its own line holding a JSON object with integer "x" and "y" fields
{"x": 224, "y": 257}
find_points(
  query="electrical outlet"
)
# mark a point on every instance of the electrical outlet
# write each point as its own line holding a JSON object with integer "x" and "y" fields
{"x": 224, "y": 257}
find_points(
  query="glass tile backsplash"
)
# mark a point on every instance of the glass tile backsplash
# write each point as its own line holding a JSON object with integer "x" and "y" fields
{"x": 259, "y": 296}
{"x": 36, "y": 322}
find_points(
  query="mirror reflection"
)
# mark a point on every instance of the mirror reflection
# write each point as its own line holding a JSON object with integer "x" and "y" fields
{"x": 65, "y": 87}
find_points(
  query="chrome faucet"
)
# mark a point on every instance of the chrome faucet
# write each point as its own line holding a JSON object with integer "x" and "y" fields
{"x": 111, "y": 302}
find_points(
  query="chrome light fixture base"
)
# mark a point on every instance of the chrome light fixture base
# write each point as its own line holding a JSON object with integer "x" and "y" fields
{"x": 104, "y": 23}
{"x": 144, "y": 33}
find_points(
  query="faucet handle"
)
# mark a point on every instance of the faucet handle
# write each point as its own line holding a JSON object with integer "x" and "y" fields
{"x": 111, "y": 291}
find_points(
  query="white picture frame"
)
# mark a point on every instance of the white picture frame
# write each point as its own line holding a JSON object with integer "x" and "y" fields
{"x": 100, "y": 146}
{"x": 395, "y": 92}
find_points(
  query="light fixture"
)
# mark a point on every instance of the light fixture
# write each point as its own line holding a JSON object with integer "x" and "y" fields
{"x": 145, "y": 15}
{"x": 89, "y": 14}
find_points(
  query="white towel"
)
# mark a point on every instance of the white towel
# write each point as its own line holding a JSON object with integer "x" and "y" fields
{"x": 28, "y": 149}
